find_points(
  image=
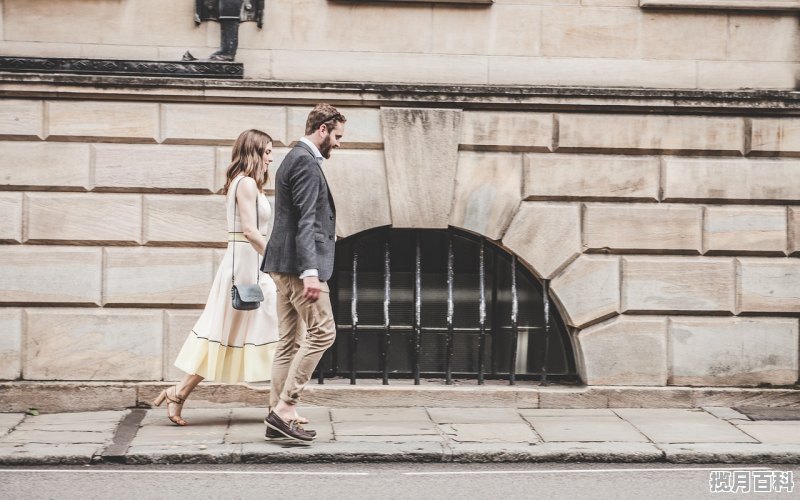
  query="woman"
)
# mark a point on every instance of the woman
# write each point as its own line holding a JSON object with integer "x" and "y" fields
{"x": 229, "y": 345}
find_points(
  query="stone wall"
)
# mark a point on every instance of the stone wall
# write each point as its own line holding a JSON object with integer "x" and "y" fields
{"x": 612, "y": 43}
{"x": 671, "y": 239}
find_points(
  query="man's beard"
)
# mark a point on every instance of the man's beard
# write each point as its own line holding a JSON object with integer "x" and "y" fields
{"x": 326, "y": 147}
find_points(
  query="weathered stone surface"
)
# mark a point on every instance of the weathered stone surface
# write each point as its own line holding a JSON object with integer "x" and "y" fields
{"x": 624, "y": 351}
{"x": 731, "y": 180}
{"x": 676, "y": 425}
{"x": 370, "y": 206}
{"x": 362, "y": 129}
{"x": 45, "y": 165}
{"x": 75, "y": 344}
{"x": 21, "y": 119}
{"x": 733, "y": 351}
{"x": 8, "y": 421}
{"x": 474, "y": 415}
{"x": 10, "y": 345}
{"x": 490, "y": 433}
{"x": 487, "y": 192}
{"x": 677, "y": 284}
{"x": 459, "y": 31}
{"x": 744, "y": 397}
{"x": 11, "y": 217}
{"x": 421, "y": 147}
{"x": 169, "y": 168}
{"x": 590, "y": 32}
{"x": 507, "y": 131}
{"x": 86, "y": 217}
{"x": 768, "y": 285}
{"x": 181, "y": 219}
{"x": 157, "y": 275}
{"x": 546, "y": 235}
{"x": 744, "y": 229}
{"x": 734, "y": 75}
{"x": 103, "y": 121}
{"x": 385, "y": 428}
{"x": 794, "y": 230}
{"x": 406, "y": 414}
{"x": 179, "y": 326}
{"x": 643, "y": 227}
{"x": 588, "y": 289}
{"x": 773, "y": 432}
{"x": 517, "y": 30}
{"x": 220, "y": 123}
{"x": 775, "y": 136}
{"x": 731, "y": 453}
{"x": 585, "y": 429}
{"x": 698, "y": 36}
{"x": 550, "y": 176}
{"x": 50, "y": 274}
{"x": 650, "y": 133}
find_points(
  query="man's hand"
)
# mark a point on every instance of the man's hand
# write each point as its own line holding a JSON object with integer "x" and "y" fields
{"x": 311, "y": 288}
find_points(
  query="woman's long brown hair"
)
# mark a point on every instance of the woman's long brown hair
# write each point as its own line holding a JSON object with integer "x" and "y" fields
{"x": 248, "y": 157}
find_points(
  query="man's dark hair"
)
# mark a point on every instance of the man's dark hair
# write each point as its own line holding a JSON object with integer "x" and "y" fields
{"x": 323, "y": 114}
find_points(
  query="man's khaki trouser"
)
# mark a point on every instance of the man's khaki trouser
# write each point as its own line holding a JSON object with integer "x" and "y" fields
{"x": 296, "y": 358}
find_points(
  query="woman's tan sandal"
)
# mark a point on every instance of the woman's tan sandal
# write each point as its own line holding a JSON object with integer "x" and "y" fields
{"x": 172, "y": 399}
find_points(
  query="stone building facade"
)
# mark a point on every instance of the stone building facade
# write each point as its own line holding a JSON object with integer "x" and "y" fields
{"x": 643, "y": 160}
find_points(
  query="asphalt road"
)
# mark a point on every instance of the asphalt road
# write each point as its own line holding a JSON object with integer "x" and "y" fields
{"x": 378, "y": 481}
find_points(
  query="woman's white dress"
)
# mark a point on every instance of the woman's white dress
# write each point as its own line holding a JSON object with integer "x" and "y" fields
{"x": 228, "y": 345}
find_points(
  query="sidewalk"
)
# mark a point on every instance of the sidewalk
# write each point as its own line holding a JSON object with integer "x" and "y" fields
{"x": 140, "y": 436}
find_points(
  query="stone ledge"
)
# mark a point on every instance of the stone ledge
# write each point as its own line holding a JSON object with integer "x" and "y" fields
{"x": 92, "y": 396}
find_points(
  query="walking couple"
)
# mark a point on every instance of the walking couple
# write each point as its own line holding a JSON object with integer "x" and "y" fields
{"x": 284, "y": 339}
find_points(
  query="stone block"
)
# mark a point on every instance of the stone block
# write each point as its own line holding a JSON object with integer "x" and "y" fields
{"x": 546, "y": 235}
{"x": 734, "y": 75}
{"x": 39, "y": 274}
{"x": 487, "y": 192}
{"x": 184, "y": 219}
{"x": 66, "y": 396}
{"x": 456, "y": 30}
{"x": 516, "y": 30}
{"x": 598, "y": 72}
{"x": 104, "y": 121}
{"x": 43, "y": 49}
{"x": 779, "y": 28}
{"x": 551, "y": 177}
{"x": 606, "y": 428}
{"x": 370, "y": 208}
{"x": 85, "y": 217}
{"x": 733, "y": 351}
{"x": 94, "y": 344}
{"x": 775, "y": 137}
{"x": 744, "y": 229}
{"x": 45, "y": 165}
{"x": 676, "y": 425}
{"x": 650, "y": 134}
{"x": 10, "y": 217}
{"x": 127, "y": 52}
{"x": 768, "y": 285}
{"x": 220, "y": 123}
{"x": 179, "y": 326}
{"x": 157, "y": 276}
{"x": 588, "y": 289}
{"x": 794, "y": 230}
{"x": 677, "y": 284}
{"x": 154, "y": 168}
{"x": 684, "y": 35}
{"x": 21, "y": 118}
{"x": 731, "y": 180}
{"x": 627, "y": 227}
{"x": 421, "y": 149}
{"x": 10, "y": 344}
{"x": 507, "y": 131}
{"x": 625, "y": 351}
{"x": 362, "y": 129}
{"x": 590, "y": 32}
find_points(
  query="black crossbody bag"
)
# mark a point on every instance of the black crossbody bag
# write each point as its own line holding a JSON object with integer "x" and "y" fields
{"x": 244, "y": 297}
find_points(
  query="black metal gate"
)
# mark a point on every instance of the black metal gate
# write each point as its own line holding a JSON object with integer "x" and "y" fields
{"x": 441, "y": 304}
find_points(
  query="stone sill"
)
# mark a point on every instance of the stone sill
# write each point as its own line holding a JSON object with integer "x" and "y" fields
{"x": 772, "y": 5}
{"x": 516, "y": 98}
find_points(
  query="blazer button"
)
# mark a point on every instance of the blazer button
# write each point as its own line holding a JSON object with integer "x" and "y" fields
{"x": 331, "y": 217}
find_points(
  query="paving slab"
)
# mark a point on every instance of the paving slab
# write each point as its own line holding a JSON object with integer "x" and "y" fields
{"x": 732, "y": 453}
{"x": 773, "y": 432}
{"x": 343, "y": 452}
{"x": 490, "y": 433}
{"x": 771, "y": 413}
{"x": 194, "y": 416}
{"x": 57, "y": 437}
{"x": 384, "y": 428}
{"x": 10, "y": 420}
{"x": 566, "y": 412}
{"x": 379, "y": 414}
{"x": 48, "y": 454}
{"x": 176, "y": 436}
{"x": 725, "y": 413}
{"x": 586, "y": 429}
{"x": 682, "y": 426}
{"x": 77, "y": 417}
{"x": 387, "y": 439}
{"x": 474, "y": 415}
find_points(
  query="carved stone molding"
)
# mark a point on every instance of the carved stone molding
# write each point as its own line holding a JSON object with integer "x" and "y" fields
{"x": 181, "y": 69}
{"x": 722, "y": 4}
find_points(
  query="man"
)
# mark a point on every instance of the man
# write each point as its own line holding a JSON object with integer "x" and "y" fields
{"x": 299, "y": 258}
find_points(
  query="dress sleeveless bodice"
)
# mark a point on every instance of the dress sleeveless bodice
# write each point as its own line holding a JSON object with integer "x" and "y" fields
{"x": 235, "y": 222}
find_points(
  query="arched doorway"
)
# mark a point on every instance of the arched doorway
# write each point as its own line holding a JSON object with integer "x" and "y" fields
{"x": 421, "y": 303}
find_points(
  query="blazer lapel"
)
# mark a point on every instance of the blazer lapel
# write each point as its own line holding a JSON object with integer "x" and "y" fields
{"x": 327, "y": 186}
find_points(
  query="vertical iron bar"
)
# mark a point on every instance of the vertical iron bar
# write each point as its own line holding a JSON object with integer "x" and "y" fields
{"x": 496, "y": 324}
{"x": 481, "y": 313}
{"x": 354, "y": 313}
{"x": 512, "y": 372}
{"x": 546, "y": 302}
{"x": 387, "y": 286}
{"x": 450, "y": 307}
{"x": 417, "y": 310}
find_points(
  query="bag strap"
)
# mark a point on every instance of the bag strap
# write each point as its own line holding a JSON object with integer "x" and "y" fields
{"x": 233, "y": 257}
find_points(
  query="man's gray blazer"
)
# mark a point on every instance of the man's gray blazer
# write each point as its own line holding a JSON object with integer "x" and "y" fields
{"x": 304, "y": 233}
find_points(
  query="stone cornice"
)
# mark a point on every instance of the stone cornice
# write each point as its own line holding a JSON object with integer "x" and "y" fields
{"x": 767, "y": 102}
{"x": 785, "y": 5}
